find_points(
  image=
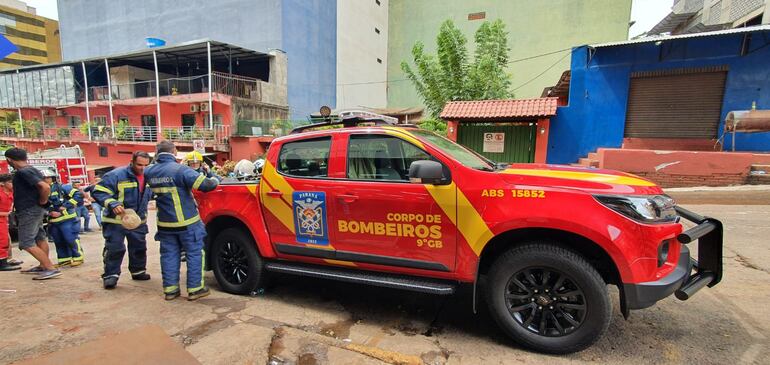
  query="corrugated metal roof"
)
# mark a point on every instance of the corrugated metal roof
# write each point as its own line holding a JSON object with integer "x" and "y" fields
{"x": 758, "y": 28}
{"x": 187, "y": 50}
{"x": 499, "y": 109}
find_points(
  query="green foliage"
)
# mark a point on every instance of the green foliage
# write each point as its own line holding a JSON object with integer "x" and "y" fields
{"x": 32, "y": 129}
{"x": 170, "y": 134}
{"x": 281, "y": 127}
{"x": 84, "y": 127}
{"x": 451, "y": 75}
{"x": 122, "y": 129}
{"x": 437, "y": 126}
{"x": 63, "y": 133}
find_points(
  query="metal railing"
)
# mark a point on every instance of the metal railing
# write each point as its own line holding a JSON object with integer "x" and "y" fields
{"x": 219, "y": 135}
{"x": 65, "y": 134}
{"x": 136, "y": 134}
{"x": 234, "y": 85}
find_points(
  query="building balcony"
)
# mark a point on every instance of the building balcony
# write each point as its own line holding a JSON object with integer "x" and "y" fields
{"x": 216, "y": 137}
{"x": 224, "y": 83}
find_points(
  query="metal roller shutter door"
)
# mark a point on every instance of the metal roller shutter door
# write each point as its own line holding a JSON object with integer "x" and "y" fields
{"x": 679, "y": 105}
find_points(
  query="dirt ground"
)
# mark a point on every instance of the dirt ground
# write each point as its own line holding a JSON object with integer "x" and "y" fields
{"x": 304, "y": 321}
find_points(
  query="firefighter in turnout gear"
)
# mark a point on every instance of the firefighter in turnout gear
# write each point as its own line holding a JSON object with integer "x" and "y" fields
{"x": 179, "y": 224}
{"x": 195, "y": 161}
{"x": 63, "y": 225}
{"x": 121, "y": 189}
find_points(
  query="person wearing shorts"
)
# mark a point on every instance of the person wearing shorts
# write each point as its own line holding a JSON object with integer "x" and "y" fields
{"x": 30, "y": 196}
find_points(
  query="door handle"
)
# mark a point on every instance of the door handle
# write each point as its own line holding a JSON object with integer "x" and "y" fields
{"x": 347, "y": 198}
{"x": 275, "y": 194}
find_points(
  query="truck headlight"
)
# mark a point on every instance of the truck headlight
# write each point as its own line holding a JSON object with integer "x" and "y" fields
{"x": 641, "y": 208}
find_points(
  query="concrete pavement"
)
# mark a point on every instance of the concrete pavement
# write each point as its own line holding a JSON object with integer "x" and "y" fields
{"x": 306, "y": 321}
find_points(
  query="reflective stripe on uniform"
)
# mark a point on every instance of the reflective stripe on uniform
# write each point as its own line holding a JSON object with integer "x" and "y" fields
{"x": 203, "y": 274}
{"x": 183, "y": 223}
{"x": 80, "y": 251}
{"x": 108, "y": 201}
{"x": 180, "y": 221}
{"x": 63, "y": 217}
{"x": 122, "y": 186}
{"x": 170, "y": 289}
{"x": 104, "y": 189}
{"x": 198, "y": 182}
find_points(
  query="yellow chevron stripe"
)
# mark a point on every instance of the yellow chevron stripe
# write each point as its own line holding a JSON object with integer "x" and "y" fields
{"x": 584, "y": 176}
{"x": 403, "y": 134}
{"x": 466, "y": 218}
{"x": 277, "y": 207}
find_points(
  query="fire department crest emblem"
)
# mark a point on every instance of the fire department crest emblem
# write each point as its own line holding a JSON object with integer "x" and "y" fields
{"x": 310, "y": 217}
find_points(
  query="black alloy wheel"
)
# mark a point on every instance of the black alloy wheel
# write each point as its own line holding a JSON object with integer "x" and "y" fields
{"x": 548, "y": 297}
{"x": 236, "y": 262}
{"x": 545, "y": 301}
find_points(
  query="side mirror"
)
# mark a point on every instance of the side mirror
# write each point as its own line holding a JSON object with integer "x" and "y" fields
{"x": 426, "y": 172}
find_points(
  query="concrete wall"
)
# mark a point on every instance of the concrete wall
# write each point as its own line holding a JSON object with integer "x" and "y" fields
{"x": 595, "y": 115}
{"x": 360, "y": 77}
{"x": 99, "y": 28}
{"x": 536, "y": 27}
{"x": 305, "y": 30}
{"x": 309, "y": 39}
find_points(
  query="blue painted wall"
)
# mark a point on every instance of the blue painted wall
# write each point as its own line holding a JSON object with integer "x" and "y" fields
{"x": 310, "y": 42}
{"x": 596, "y": 112}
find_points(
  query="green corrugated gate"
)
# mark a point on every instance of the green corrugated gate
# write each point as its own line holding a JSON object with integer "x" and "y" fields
{"x": 518, "y": 143}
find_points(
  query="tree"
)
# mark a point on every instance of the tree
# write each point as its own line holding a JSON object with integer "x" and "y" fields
{"x": 450, "y": 75}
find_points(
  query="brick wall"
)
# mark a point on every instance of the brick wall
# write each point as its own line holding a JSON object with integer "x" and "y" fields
{"x": 679, "y": 181}
{"x": 739, "y": 8}
{"x": 681, "y": 168}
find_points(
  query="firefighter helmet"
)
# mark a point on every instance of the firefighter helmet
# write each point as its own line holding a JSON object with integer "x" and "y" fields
{"x": 193, "y": 156}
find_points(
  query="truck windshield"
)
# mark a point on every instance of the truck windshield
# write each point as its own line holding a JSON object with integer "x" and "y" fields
{"x": 458, "y": 152}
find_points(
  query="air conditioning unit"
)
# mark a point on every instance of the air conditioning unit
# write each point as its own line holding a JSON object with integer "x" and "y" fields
{"x": 204, "y": 107}
{"x": 193, "y": 108}
{"x": 60, "y": 113}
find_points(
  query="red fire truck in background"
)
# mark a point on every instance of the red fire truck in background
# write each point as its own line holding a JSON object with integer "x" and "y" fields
{"x": 68, "y": 162}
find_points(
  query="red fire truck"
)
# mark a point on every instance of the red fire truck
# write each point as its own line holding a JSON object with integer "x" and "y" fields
{"x": 68, "y": 162}
{"x": 400, "y": 207}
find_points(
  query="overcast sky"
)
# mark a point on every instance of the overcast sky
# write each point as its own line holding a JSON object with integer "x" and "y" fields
{"x": 646, "y": 13}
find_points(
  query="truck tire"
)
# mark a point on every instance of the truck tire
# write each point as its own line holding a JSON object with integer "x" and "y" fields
{"x": 548, "y": 298}
{"x": 236, "y": 262}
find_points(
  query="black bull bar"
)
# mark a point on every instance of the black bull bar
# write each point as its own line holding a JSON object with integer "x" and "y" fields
{"x": 708, "y": 269}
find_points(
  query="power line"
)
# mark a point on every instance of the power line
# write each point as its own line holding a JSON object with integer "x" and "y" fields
{"x": 540, "y": 55}
{"x": 542, "y": 73}
{"x": 509, "y": 62}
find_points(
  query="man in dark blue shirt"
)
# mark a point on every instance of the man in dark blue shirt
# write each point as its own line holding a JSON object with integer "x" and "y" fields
{"x": 30, "y": 195}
